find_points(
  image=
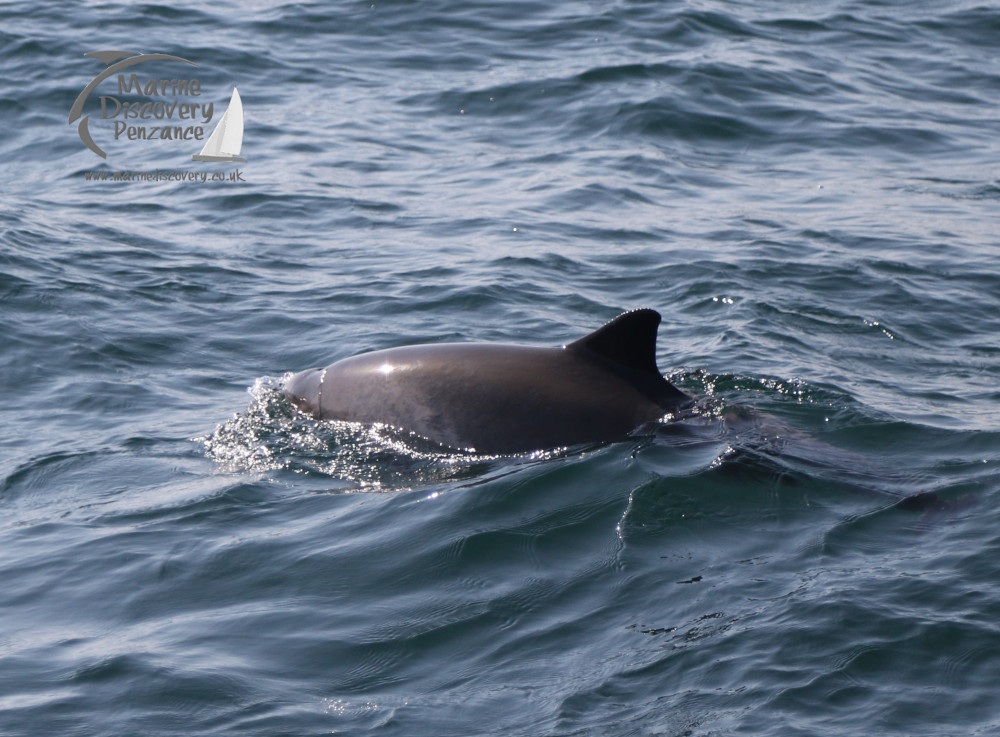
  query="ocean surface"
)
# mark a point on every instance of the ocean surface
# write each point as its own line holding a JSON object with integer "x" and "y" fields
{"x": 807, "y": 192}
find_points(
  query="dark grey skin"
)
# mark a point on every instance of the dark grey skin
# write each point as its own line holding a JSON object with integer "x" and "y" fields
{"x": 502, "y": 399}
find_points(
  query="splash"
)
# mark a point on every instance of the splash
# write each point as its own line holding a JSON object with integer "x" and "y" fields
{"x": 271, "y": 435}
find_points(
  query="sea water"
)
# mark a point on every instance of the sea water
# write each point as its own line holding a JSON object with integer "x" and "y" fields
{"x": 808, "y": 194}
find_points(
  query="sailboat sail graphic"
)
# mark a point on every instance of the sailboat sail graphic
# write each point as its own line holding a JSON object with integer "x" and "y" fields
{"x": 227, "y": 139}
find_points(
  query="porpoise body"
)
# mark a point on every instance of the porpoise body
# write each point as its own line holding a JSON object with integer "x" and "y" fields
{"x": 502, "y": 399}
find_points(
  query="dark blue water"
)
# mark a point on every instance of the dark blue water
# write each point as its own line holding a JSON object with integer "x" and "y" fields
{"x": 809, "y": 195}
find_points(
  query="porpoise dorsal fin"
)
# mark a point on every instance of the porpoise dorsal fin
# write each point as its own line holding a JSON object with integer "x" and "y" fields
{"x": 629, "y": 340}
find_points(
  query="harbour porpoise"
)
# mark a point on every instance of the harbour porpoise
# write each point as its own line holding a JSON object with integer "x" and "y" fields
{"x": 502, "y": 399}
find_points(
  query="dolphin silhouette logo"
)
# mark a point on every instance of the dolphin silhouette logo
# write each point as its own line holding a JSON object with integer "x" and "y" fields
{"x": 109, "y": 58}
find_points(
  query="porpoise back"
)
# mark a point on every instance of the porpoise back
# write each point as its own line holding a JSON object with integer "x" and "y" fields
{"x": 502, "y": 399}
